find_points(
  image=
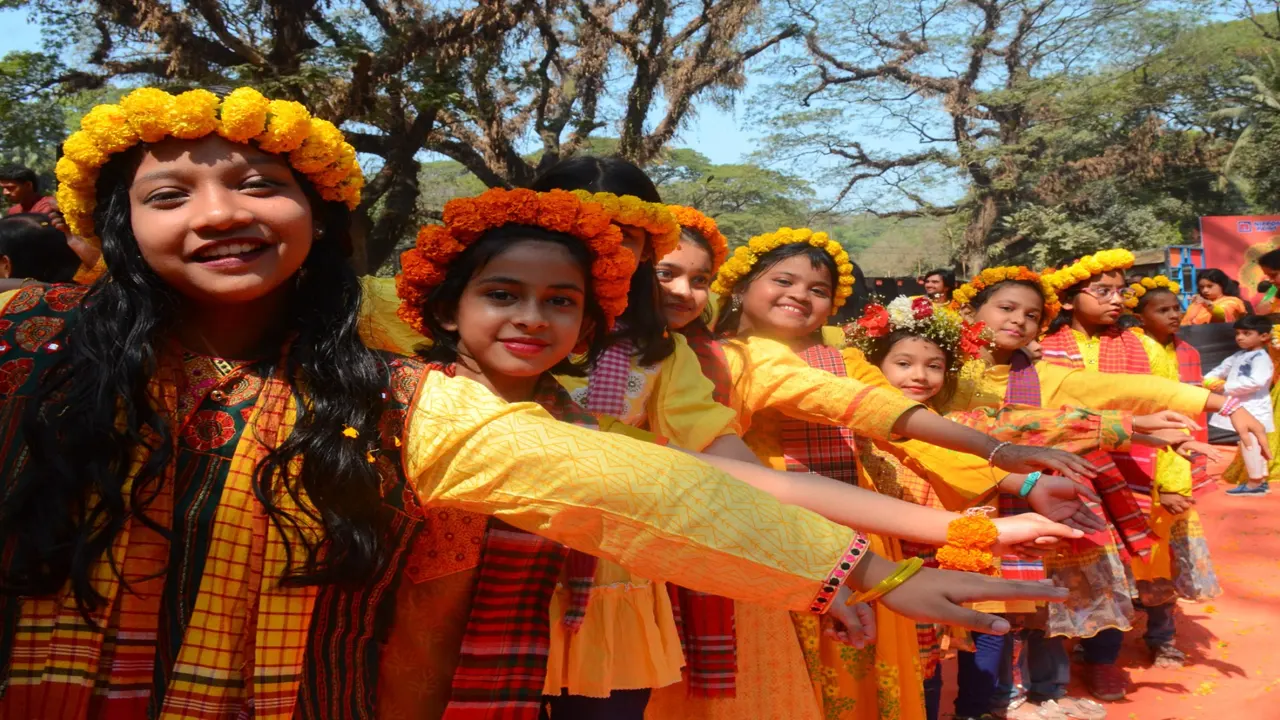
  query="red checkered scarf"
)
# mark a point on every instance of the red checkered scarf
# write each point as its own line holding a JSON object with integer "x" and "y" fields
{"x": 706, "y": 622}
{"x": 502, "y": 665}
{"x": 1190, "y": 372}
{"x": 1120, "y": 475}
{"x": 829, "y": 450}
{"x": 711, "y": 358}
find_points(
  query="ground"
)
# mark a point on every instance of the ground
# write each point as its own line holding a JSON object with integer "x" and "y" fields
{"x": 1233, "y": 641}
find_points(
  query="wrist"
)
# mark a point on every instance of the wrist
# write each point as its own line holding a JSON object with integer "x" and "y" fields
{"x": 870, "y": 572}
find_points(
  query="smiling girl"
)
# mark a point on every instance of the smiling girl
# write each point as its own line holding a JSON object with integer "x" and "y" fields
{"x": 248, "y": 476}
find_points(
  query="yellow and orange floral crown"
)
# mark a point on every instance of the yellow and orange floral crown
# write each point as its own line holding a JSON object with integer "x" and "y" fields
{"x": 706, "y": 228}
{"x": 654, "y": 218}
{"x": 1087, "y": 267}
{"x": 1141, "y": 287}
{"x": 965, "y": 294}
{"x": 316, "y": 148}
{"x": 424, "y": 266}
{"x": 746, "y": 256}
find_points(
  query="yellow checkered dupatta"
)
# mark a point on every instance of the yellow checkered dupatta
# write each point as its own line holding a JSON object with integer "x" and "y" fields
{"x": 245, "y": 642}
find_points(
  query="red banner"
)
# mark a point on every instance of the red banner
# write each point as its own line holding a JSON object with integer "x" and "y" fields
{"x": 1233, "y": 244}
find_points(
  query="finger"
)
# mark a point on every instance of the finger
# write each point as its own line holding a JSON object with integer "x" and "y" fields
{"x": 1178, "y": 420}
{"x": 1047, "y": 540}
{"x": 867, "y": 618}
{"x": 1089, "y": 520}
{"x": 986, "y": 588}
{"x": 1263, "y": 445}
{"x": 1085, "y": 491}
{"x": 974, "y": 620}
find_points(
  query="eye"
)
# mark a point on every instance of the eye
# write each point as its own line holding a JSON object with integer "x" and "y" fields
{"x": 664, "y": 275}
{"x": 259, "y": 184}
{"x": 500, "y": 295}
{"x": 700, "y": 281}
{"x": 782, "y": 281}
{"x": 821, "y": 292}
{"x": 563, "y": 301}
{"x": 165, "y": 197}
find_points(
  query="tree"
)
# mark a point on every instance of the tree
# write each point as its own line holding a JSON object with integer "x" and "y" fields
{"x": 487, "y": 84}
{"x": 962, "y": 79}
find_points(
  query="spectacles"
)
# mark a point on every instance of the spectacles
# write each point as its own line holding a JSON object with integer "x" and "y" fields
{"x": 1104, "y": 293}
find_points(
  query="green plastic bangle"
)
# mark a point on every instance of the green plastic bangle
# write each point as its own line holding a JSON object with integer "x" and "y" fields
{"x": 1029, "y": 484}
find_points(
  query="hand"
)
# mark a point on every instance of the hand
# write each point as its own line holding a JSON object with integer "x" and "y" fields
{"x": 1026, "y": 459}
{"x": 1175, "y": 503}
{"x": 1191, "y": 448}
{"x": 87, "y": 253}
{"x": 1152, "y": 441}
{"x": 1063, "y": 500}
{"x": 1246, "y": 425}
{"x": 1167, "y": 420}
{"x": 850, "y": 624}
{"x": 1030, "y": 529}
{"x": 937, "y": 596}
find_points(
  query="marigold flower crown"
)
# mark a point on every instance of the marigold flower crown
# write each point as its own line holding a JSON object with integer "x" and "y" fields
{"x": 965, "y": 294}
{"x": 1141, "y": 287}
{"x": 919, "y": 316}
{"x": 655, "y": 219}
{"x": 424, "y": 266}
{"x": 706, "y": 228}
{"x": 316, "y": 148}
{"x": 1087, "y": 267}
{"x": 746, "y": 256}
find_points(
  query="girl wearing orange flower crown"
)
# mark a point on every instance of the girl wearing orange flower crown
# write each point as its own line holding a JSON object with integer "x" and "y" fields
{"x": 1016, "y": 303}
{"x": 248, "y": 475}
{"x": 508, "y": 297}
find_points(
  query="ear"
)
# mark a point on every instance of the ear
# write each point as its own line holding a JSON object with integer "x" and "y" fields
{"x": 6, "y": 267}
{"x": 447, "y": 323}
{"x": 584, "y": 336}
{"x": 1068, "y": 306}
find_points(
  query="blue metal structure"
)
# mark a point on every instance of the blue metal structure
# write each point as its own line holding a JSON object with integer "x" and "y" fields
{"x": 1184, "y": 263}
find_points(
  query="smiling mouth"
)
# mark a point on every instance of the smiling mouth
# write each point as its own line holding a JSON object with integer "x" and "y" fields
{"x": 239, "y": 251}
{"x": 524, "y": 346}
{"x": 794, "y": 310}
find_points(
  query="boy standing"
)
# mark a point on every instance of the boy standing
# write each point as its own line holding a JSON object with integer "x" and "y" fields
{"x": 1245, "y": 376}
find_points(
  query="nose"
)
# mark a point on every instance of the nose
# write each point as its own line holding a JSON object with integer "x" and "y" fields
{"x": 217, "y": 208}
{"x": 678, "y": 288}
{"x": 529, "y": 315}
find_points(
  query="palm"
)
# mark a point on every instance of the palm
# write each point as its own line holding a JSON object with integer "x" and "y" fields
{"x": 1062, "y": 500}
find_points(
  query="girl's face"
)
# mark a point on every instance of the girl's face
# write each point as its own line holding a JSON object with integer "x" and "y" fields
{"x": 637, "y": 241}
{"x": 1013, "y": 313}
{"x": 523, "y": 311}
{"x": 220, "y": 222}
{"x": 1101, "y": 301}
{"x": 790, "y": 300}
{"x": 1161, "y": 315}
{"x": 685, "y": 278}
{"x": 917, "y": 367}
{"x": 1209, "y": 290}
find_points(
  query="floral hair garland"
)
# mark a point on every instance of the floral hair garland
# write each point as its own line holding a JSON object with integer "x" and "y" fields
{"x": 746, "y": 256}
{"x": 1141, "y": 287}
{"x": 655, "y": 219}
{"x": 965, "y": 294}
{"x": 424, "y": 266}
{"x": 316, "y": 148}
{"x": 1087, "y": 267}
{"x": 706, "y": 228}
{"x": 919, "y": 316}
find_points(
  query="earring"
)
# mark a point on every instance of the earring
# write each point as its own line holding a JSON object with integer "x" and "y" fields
{"x": 737, "y": 303}
{"x": 581, "y": 348}
{"x": 319, "y": 234}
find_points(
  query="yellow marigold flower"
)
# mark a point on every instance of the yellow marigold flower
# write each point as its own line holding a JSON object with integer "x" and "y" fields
{"x": 1148, "y": 282}
{"x": 350, "y": 432}
{"x": 194, "y": 114}
{"x": 81, "y": 148}
{"x": 340, "y": 169}
{"x": 70, "y": 172}
{"x": 320, "y": 150}
{"x": 149, "y": 113}
{"x": 77, "y": 208}
{"x": 243, "y": 115}
{"x": 288, "y": 125}
{"x": 108, "y": 126}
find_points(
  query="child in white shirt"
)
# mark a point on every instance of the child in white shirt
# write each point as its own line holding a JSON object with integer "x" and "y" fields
{"x": 1246, "y": 376}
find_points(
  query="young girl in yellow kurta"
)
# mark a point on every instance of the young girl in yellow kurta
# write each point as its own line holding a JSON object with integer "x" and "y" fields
{"x": 254, "y": 473}
{"x": 1179, "y": 565}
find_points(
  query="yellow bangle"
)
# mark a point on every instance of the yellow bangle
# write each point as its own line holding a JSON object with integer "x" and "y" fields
{"x": 906, "y": 569}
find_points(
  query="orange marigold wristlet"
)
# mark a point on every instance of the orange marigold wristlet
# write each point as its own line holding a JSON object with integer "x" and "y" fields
{"x": 969, "y": 541}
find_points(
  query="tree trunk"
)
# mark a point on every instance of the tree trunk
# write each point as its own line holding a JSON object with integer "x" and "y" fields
{"x": 978, "y": 233}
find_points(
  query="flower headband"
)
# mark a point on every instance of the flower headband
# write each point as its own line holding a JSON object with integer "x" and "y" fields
{"x": 746, "y": 256}
{"x": 1141, "y": 287}
{"x": 706, "y": 228}
{"x": 424, "y": 266}
{"x": 316, "y": 148}
{"x": 965, "y": 294}
{"x": 944, "y": 327}
{"x": 1089, "y": 266}
{"x": 655, "y": 219}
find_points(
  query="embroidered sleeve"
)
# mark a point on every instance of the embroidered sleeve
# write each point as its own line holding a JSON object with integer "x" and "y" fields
{"x": 660, "y": 513}
{"x": 1073, "y": 429}
{"x": 852, "y": 555}
{"x": 768, "y": 375}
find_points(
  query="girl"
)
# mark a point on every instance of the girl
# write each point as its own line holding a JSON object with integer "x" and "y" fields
{"x": 1218, "y": 300}
{"x": 1179, "y": 565}
{"x": 248, "y": 474}
{"x": 1016, "y": 303}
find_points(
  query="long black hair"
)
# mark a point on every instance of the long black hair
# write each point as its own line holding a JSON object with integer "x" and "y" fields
{"x": 1224, "y": 281}
{"x": 881, "y": 347}
{"x": 66, "y": 508}
{"x": 731, "y": 311}
{"x": 643, "y": 323}
{"x": 36, "y": 249}
{"x": 442, "y": 303}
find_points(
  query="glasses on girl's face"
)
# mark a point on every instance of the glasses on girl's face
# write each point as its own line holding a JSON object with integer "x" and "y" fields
{"x": 1104, "y": 293}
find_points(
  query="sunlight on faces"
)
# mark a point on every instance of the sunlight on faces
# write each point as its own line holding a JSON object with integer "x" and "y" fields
{"x": 934, "y": 285}
{"x": 1013, "y": 313}
{"x": 1161, "y": 314}
{"x": 790, "y": 300}
{"x": 1209, "y": 290}
{"x": 522, "y": 312}
{"x": 1100, "y": 302}
{"x": 220, "y": 222}
{"x": 917, "y": 367}
{"x": 685, "y": 277}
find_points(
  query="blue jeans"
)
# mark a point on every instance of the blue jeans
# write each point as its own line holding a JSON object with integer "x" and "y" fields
{"x": 620, "y": 705}
{"x": 1049, "y": 666}
{"x": 1160, "y": 627}
{"x": 985, "y": 676}
{"x": 933, "y": 694}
